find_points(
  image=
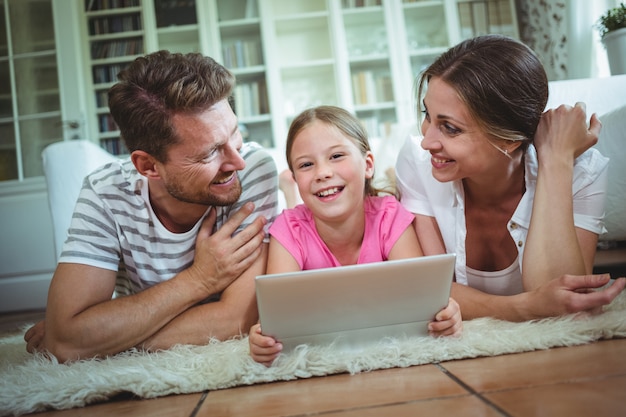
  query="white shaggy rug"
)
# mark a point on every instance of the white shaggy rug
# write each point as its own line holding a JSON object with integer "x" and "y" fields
{"x": 32, "y": 383}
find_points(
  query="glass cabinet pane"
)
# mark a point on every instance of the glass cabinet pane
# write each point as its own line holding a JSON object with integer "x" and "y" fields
{"x": 6, "y": 105}
{"x": 4, "y": 43}
{"x": 37, "y": 85}
{"x": 42, "y": 132}
{"x": 32, "y": 28}
{"x": 8, "y": 156}
{"x": 175, "y": 12}
{"x": 30, "y": 105}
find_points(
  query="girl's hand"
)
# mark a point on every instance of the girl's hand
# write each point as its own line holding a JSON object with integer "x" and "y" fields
{"x": 448, "y": 322}
{"x": 263, "y": 349}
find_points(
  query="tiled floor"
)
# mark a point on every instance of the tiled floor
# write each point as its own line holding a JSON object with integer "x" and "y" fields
{"x": 588, "y": 380}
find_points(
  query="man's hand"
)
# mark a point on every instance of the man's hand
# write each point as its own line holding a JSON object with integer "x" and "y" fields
{"x": 220, "y": 258}
{"x": 34, "y": 337}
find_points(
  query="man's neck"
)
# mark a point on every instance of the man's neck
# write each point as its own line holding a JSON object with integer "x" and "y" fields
{"x": 175, "y": 215}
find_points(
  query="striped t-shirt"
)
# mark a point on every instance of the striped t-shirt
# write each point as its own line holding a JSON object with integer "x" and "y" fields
{"x": 114, "y": 227}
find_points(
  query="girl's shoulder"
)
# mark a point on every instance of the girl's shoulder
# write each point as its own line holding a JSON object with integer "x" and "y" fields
{"x": 382, "y": 202}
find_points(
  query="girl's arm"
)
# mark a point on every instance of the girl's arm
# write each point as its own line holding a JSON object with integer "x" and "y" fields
{"x": 407, "y": 246}
{"x": 265, "y": 349}
{"x": 279, "y": 259}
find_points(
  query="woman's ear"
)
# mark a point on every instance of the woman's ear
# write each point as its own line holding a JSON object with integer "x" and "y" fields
{"x": 145, "y": 164}
{"x": 369, "y": 165}
{"x": 511, "y": 146}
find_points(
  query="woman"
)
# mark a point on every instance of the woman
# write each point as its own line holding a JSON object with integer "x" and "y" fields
{"x": 512, "y": 191}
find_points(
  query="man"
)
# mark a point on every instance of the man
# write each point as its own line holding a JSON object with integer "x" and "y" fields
{"x": 163, "y": 248}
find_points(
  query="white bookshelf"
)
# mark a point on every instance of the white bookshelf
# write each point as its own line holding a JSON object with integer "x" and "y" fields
{"x": 288, "y": 55}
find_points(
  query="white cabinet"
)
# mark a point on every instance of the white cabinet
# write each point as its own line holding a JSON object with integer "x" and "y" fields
{"x": 40, "y": 103}
{"x": 288, "y": 55}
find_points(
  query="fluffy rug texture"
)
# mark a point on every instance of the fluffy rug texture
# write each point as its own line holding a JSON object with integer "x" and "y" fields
{"x": 30, "y": 383}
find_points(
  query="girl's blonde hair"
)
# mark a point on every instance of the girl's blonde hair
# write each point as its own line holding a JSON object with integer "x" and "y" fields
{"x": 343, "y": 120}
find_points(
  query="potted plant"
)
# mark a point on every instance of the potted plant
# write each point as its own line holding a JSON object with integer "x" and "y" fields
{"x": 612, "y": 28}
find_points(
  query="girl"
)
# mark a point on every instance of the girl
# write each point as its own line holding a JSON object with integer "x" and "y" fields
{"x": 343, "y": 220}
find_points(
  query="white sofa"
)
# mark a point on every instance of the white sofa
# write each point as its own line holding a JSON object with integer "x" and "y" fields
{"x": 607, "y": 98}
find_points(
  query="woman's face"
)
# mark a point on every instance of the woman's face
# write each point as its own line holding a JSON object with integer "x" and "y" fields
{"x": 459, "y": 148}
{"x": 330, "y": 171}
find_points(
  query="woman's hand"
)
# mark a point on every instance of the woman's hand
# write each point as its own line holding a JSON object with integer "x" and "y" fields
{"x": 573, "y": 294}
{"x": 563, "y": 132}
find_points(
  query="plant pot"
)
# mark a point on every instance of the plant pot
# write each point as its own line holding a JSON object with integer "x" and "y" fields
{"x": 615, "y": 44}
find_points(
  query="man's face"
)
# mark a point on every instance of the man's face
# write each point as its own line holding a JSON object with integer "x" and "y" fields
{"x": 202, "y": 167}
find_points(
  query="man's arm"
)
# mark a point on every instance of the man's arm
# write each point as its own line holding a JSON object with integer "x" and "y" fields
{"x": 232, "y": 315}
{"x": 83, "y": 321}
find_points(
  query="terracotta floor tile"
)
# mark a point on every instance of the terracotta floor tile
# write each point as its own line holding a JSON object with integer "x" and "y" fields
{"x": 13, "y": 322}
{"x": 595, "y": 360}
{"x": 465, "y": 405}
{"x": 170, "y": 406}
{"x": 603, "y": 397}
{"x": 332, "y": 393}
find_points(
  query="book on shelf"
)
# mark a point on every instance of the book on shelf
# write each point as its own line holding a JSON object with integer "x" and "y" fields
{"x": 251, "y": 99}
{"x": 95, "y": 5}
{"x": 252, "y": 9}
{"x": 107, "y": 124}
{"x": 242, "y": 53}
{"x": 115, "y": 146}
{"x": 114, "y": 24}
{"x": 370, "y": 88}
{"x": 116, "y": 48}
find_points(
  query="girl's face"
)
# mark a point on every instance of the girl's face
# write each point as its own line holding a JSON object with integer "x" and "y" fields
{"x": 458, "y": 147}
{"x": 330, "y": 171}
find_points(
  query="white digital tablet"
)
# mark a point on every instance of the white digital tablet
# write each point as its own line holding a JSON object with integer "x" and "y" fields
{"x": 354, "y": 305}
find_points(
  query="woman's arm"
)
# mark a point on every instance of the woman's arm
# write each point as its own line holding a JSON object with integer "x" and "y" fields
{"x": 429, "y": 235}
{"x": 554, "y": 246}
{"x": 564, "y": 295}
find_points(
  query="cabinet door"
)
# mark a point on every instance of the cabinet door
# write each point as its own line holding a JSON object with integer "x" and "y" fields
{"x": 479, "y": 17}
{"x": 300, "y": 47}
{"x": 33, "y": 113}
{"x": 372, "y": 69}
{"x": 115, "y": 33}
{"x": 242, "y": 51}
{"x": 175, "y": 24}
{"x": 41, "y": 92}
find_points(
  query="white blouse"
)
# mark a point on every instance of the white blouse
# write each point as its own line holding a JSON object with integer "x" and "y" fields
{"x": 422, "y": 194}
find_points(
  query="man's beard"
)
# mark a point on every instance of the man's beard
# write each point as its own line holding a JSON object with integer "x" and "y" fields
{"x": 206, "y": 199}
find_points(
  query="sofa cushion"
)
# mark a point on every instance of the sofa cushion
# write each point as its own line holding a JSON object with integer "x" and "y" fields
{"x": 612, "y": 143}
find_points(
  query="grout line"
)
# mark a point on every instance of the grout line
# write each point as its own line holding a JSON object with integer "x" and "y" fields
{"x": 471, "y": 390}
{"x": 200, "y": 402}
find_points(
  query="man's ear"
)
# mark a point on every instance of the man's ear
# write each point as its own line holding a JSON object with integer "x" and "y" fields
{"x": 146, "y": 164}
